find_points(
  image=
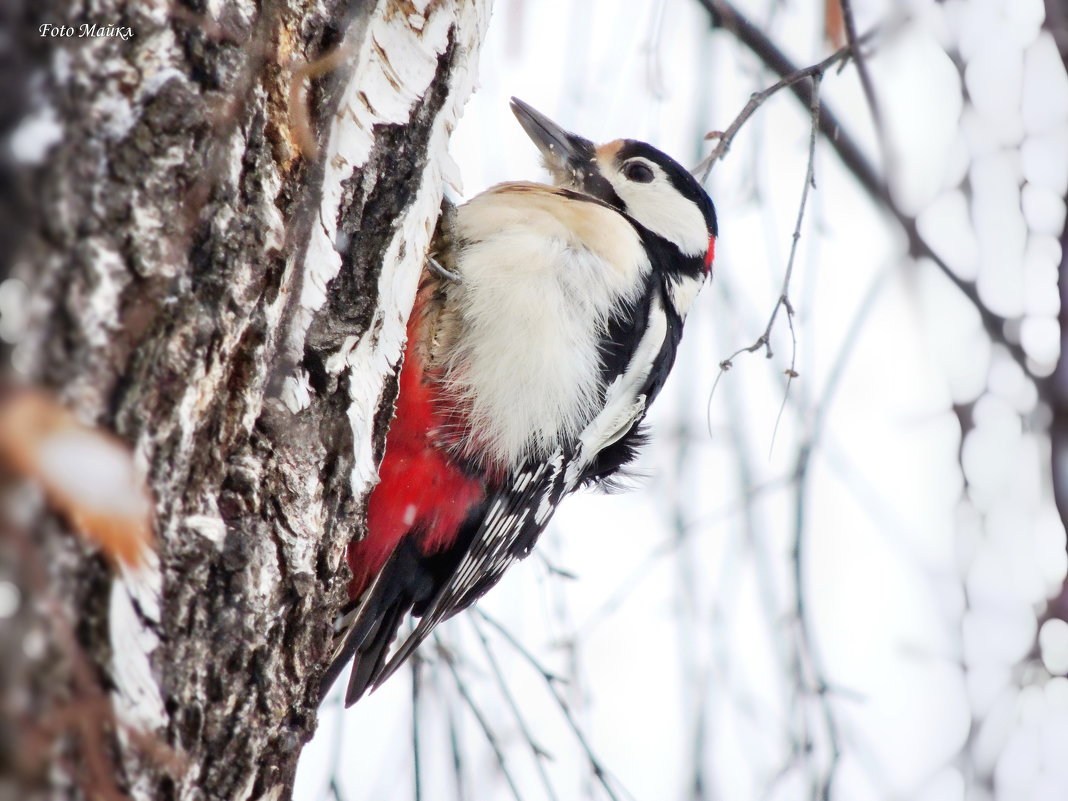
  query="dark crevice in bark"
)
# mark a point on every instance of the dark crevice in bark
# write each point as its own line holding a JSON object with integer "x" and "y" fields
{"x": 376, "y": 195}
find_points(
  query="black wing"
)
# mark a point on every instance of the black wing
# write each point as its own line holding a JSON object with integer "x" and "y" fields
{"x": 520, "y": 510}
{"x": 630, "y": 326}
{"x": 515, "y": 517}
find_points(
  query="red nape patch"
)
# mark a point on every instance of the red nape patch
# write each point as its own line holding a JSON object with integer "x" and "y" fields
{"x": 710, "y": 255}
{"x": 420, "y": 488}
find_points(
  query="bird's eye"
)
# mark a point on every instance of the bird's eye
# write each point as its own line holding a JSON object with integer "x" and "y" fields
{"x": 638, "y": 171}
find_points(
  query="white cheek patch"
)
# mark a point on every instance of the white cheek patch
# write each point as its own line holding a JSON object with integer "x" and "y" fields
{"x": 661, "y": 208}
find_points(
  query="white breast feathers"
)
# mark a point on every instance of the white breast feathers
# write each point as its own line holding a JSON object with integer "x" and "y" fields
{"x": 541, "y": 273}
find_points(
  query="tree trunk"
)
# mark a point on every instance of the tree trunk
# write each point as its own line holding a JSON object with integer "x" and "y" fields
{"x": 222, "y": 247}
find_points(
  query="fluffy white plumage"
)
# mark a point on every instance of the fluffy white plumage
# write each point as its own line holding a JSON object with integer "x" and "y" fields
{"x": 537, "y": 267}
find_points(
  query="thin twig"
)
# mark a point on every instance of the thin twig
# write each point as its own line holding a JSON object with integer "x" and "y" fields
{"x": 303, "y": 73}
{"x": 804, "y": 459}
{"x": 861, "y": 63}
{"x": 759, "y": 541}
{"x": 487, "y": 730}
{"x": 757, "y": 99}
{"x": 725, "y": 15}
{"x": 783, "y": 301}
{"x": 536, "y": 750}
{"x": 825, "y": 782}
{"x": 551, "y": 681}
{"x": 784, "y": 295}
{"x": 417, "y": 762}
{"x": 456, "y": 751}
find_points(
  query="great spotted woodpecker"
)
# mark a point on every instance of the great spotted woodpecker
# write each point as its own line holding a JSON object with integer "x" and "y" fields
{"x": 544, "y": 329}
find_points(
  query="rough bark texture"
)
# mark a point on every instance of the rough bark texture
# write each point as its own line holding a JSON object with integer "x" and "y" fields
{"x": 223, "y": 283}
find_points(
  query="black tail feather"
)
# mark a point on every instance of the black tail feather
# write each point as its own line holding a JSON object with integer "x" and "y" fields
{"x": 367, "y": 630}
{"x": 353, "y": 628}
{"x": 371, "y": 654}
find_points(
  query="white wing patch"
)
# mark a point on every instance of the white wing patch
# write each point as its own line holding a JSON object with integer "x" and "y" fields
{"x": 624, "y": 400}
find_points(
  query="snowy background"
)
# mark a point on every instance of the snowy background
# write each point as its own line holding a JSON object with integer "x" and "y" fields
{"x": 843, "y": 601}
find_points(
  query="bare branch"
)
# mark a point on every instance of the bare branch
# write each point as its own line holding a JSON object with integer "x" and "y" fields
{"x": 861, "y": 63}
{"x": 301, "y": 74}
{"x": 784, "y": 294}
{"x": 536, "y": 750}
{"x": 417, "y": 761}
{"x": 551, "y": 681}
{"x": 487, "y": 730}
{"x": 757, "y": 99}
{"x": 725, "y": 15}
{"x": 783, "y": 302}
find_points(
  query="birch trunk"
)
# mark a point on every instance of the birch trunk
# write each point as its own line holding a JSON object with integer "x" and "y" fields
{"x": 226, "y": 217}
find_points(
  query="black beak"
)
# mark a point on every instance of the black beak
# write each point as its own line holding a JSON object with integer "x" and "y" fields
{"x": 564, "y": 152}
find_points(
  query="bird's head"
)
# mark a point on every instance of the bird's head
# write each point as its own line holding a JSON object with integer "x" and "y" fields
{"x": 644, "y": 183}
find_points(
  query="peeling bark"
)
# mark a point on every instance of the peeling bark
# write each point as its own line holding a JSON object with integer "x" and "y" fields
{"x": 233, "y": 306}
